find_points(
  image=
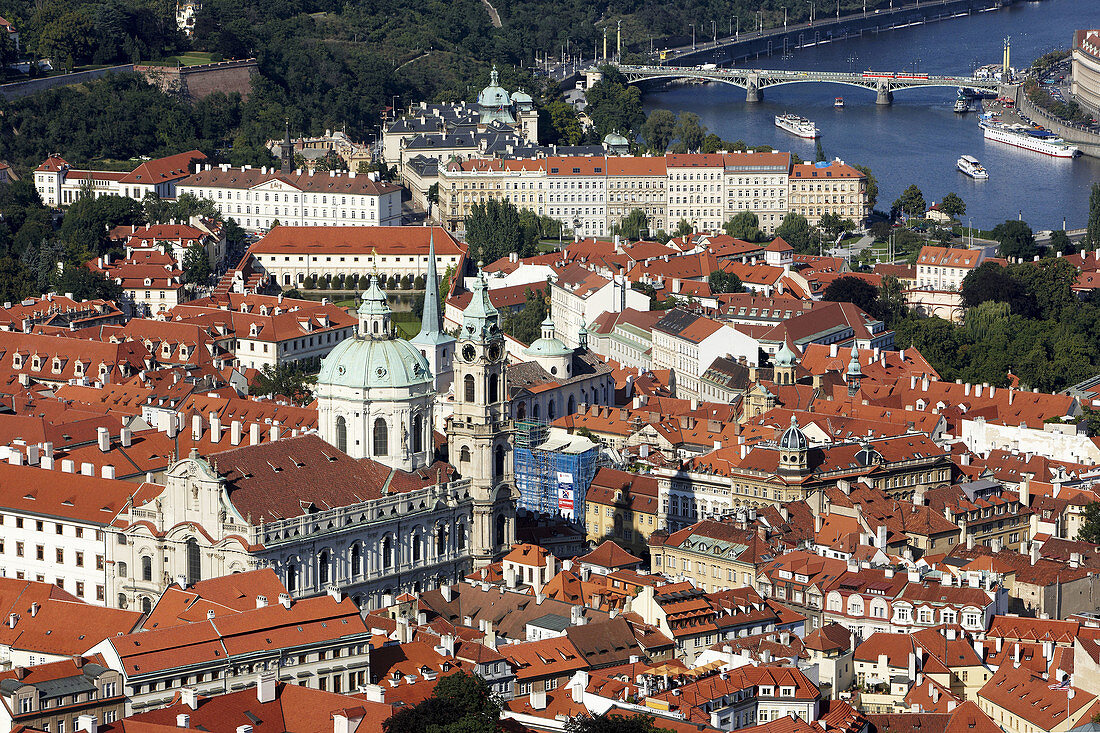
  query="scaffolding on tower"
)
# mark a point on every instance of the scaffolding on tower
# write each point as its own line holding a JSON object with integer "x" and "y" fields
{"x": 553, "y": 472}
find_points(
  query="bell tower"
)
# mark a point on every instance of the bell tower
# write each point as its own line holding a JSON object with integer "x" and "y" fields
{"x": 477, "y": 437}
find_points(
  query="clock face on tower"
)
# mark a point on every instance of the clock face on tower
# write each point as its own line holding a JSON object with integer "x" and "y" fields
{"x": 494, "y": 352}
{"x": 469, "y": 353}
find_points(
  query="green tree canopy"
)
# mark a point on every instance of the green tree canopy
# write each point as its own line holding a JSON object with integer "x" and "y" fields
{"x": 953, "y": 205}
{"x": 461, "y": 703}
{"x": 614, "y": 723}
{"x": 1016, "y": 239}
{"x": 1060, "y": 242}
{"x": 1092, "y": 230}
{"x": 526, "y": 324}
{"x": 993, "y": 282}
{"x": 725, "y": 282}
{"x": 564, "y": 128}
{"x": 287, "y": 380}
{"x": 743, "y": 225}
{"x": 496, "y": 228}
{"x": 196, "y": 264}
{"x": 658, "y": 130}
{"x": 796, "y": 231}
{"x": 632, "y": 225}
{"x": 911, "y": 201}
{"x": 872, "y": 185}
{"x": 613, "y": 105}
{"x": 852, "y": 289}
{"x": 689, "y": 133}
{"x": 1090, "y": 526}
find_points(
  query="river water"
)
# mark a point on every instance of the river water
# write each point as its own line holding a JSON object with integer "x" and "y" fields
{"x": 919, "y": 137}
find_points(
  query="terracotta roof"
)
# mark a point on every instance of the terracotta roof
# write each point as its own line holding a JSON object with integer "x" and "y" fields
{"x": 358, "y": 240}
{"x": 63, "y": 625}
{"x": 1029, "y": 696}
{"x": 947, "y": 257}
{"x": 160, "y": 170}
{"x": 611, "y": 556}
{"x": 228, "y": 594}
{"x": 341, "y": 183}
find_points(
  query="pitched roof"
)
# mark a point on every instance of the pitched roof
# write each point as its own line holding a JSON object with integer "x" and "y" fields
{"x": 611, "y": 556}
{"x": 360, "y": 240}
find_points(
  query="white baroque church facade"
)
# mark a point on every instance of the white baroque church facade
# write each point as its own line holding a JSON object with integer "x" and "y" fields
{"x": 364, "y": 507}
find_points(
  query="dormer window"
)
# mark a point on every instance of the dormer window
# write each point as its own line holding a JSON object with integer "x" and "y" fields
{"x": 17, "y": 361}
{"x": 148, "y": 282}
{"x": 36, "y": 362}
{"x": 263, "y": 310}
{"x": 56, "y": 367}
{"x": 253, "y": 330}
{"x": 78, "y": 369}
{"x": 102, "y": 370}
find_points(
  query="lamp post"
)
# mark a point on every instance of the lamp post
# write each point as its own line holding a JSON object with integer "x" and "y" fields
{"x": 812, "y": 8}
{"x": 692, "y": 36}
{"x": 714, "y": 31}
{"x": 784, "y": 17}
{"x": 759, "y": 21}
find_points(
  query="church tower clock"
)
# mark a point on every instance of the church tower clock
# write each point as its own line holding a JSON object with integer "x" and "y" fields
{"x": 477, "y": 437}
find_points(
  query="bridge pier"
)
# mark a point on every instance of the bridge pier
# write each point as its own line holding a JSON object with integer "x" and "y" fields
{"x": 752, "y": 89}
{"x": 883, "y": 94}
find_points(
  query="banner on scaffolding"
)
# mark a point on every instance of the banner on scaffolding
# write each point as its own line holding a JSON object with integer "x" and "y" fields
{"x": 565, "y": 493}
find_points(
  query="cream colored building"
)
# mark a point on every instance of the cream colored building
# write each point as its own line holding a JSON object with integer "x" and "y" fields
{"x": 1085, "y": 74}
{"x": 817, "y": 189}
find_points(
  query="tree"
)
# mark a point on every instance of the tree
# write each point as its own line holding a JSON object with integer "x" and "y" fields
{"x": 614, "y": 723}
{"x": 433, "y": 193}
{"x": 852, "y": 289}
{"x": 613, "y": 105}
{"x": 872, "y": 185}
{"x": 743, "y": 225}
{"x": 684, "y": 229}
{"x": 494, "y": 229}
{"x": 992, "y": 282}
{"x": 196, "y": 264}
{"x": 632, "y": 225}
{"x": 1090, "y": 526}
{"x": 87, "y": 285}
{"x": 1060, "y": 242}
{"x": 1092, "y": 231}
{"x": 564, "y": 125}
{"x": 796, "y": 231}
{"x": 725, "y": 282}
{"x": 819, "y": 152}
{"x": 287, "y": 380}
{"x": 953, "y": 205}
{"x": 1016, "y": 239}
{"x": 834, "y": 224}
{"x": 911, "y": 201}
{"x": 690, "y": 132}
{"x": 460, "y": 703}
{"x": 526, "y": 324}
{"x": 658, "y": 130}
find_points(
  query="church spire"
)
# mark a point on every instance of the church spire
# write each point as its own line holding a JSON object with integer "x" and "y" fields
{"x": 288, "y": 150}
{"x": 430, "y": 324}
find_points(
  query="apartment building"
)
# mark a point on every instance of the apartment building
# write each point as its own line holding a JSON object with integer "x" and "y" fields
{"x": 757, "y": 182}
{"x": 637, "y": 183}
{"x": 591, "y": 194}
{"x": 817, "y": 189}
{"x": 943, "y": 268}
{"x": 258, "y": 197}
{"x": 59, "y": 184}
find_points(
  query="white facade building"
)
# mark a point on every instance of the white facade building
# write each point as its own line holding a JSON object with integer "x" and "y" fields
{"x": 257, "y": 198}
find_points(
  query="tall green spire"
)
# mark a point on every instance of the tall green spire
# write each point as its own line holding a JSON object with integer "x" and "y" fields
{"x": 431, "y": 322}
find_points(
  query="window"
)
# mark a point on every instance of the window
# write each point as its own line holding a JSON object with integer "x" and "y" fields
{"x": 463, "y": 457}
{"x": 194, "y": 561}
{"x": 356, "y": 560}
{"x": 60, "y": 554}
{"x": 418, "y": 434}
{"x": 122, "y": 571}
{"x": 80, "y": 559}
{"x": 494, "y": 388}
{"x": 381, "y": 437}
{"x": 342, "y": 434}
{"x": 146, "y": 568}
{"x": 468, "y": 387}
{"x": 40, "y": 552}
{"x": 323, "y": 567}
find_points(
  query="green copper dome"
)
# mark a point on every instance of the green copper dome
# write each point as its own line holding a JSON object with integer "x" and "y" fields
{"x": 367, "y": 363}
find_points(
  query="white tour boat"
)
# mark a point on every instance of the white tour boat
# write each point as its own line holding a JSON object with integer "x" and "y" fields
{"x": 797, "y": 126}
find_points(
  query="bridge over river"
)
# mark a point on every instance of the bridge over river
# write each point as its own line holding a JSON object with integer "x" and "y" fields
{"x": 754, "y": 81}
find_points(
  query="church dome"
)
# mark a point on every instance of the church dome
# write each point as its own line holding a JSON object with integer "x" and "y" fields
{"x": 494, "y": 95}
{"x": 615, "y": 140}
{"x": 367, "y": 363}
{"x": 523, "y": 99}
{"x": 793, "y": 437}
{"x": 549, "y": 344}
{"x": 786, "y": 357}
{"x": 374, "y": 358}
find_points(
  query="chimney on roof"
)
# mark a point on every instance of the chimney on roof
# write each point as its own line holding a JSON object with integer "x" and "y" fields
{"x": 210, "y": 614}
{"x": 261, "y": 601}
{"x": 447, "y": 592}
{"x": 87, "y": 723}
{"x": 254, "y": 434}
{"x": 68, "y": 466}
{"x": 196, "y": 427}
{"x": 103, "y": 436}
{"x": 34, "y": 609}
{"x": 126, "y": 437}
{"x": 215, "y": 427}
{"x": 284, "y": 600}
{"x": 189, "y": 696}
{"x": 87, "y": 469}
{"x": 235, "y": 432}
{"x": 183, "y": 720}
{"x": 265, "y": 687}
{"x": 107, "y": 471}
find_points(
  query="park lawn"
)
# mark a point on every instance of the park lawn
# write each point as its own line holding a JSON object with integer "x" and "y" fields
{"x": 191, "y": 58}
